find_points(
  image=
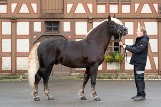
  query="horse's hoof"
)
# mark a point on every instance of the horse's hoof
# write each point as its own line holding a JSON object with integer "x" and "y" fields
{"x": 37, "y": 99}
{"x": 97, "y": 99}
{"x": 50, "y": 98}
{"x": 83, "y": 98}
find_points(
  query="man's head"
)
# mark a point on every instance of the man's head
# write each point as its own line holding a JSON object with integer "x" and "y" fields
{"x": 141, "y": 31}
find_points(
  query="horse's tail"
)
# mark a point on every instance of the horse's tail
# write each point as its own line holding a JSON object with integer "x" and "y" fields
{"x": 33, "y": 64}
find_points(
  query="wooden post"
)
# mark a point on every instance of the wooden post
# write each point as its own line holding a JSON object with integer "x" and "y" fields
{"x": 159, "y": 41}
{"x": 159, "y": 46}
{"x": 13, "y": 48}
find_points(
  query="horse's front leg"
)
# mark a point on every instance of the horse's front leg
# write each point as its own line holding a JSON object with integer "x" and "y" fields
{"x": 86, "y": 78}
{"x": 93, "y": 71}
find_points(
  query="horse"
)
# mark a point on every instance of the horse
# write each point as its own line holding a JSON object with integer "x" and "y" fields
{"x": 87, "y": 53}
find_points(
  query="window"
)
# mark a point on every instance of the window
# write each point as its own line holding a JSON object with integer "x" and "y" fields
{"x": 113, "y": 1}
{"x": 125, "y": 1}
{"x": 116, "y": 47}
{"x": 52, "y": 26}
{"x": 3, "y": 1}
{"x": 117, "y": 1}
{"x": 113, "y": 45}
{"x": 101, "y": 1}
{"x": 116, "y": 44}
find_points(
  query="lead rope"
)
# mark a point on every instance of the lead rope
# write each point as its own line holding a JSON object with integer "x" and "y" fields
{"x": 124, "y": 51}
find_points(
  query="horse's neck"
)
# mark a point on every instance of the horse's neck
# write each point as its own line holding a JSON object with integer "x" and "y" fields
{"x": 102, "y": 40}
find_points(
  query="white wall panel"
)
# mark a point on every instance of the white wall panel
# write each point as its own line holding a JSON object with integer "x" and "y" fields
{"x": 126, "y": 9}
{"x": 148, "y": 65}
{"x": 37, "y": 26}
{"x": 22, "y": 45}
{"x": 146, "y": 9}
{"x": 3, "y": 8}
{"x": 6, "y": 28}
{"x": 154, "y": 45}
{"x": 90, "y": 7}
{"x": 6, "y": 63}
{"x": 112, "y": 66}
{"x": 6, "y": 45}
{"x": 24, "y": 9}
{"x": 13, "y": 6}
{"x": 127, "y": 65}
{"x": 101, "y": 8}
{"x": 113, "y": 8}
{"x": 151, "y": 28}
{"x": 81, "y": 28}
{"x": 130, "y": 26}
{"x": 156, "y": 62}
{"x": 22, "y": 63}
{"x": 69, "y": 7}
{"x": 80, "y": 8}
{"x": 66, "y": 26}
{"x": 22, "y": 28}
{"x": 34, "y": 7}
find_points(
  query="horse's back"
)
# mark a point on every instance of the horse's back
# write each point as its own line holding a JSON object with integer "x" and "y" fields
{"x": 73, "y": 54}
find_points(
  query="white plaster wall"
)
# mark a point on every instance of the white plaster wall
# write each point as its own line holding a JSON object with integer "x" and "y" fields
{"x": 6, "y": 45}
{"x": 80, "y": 8}
{"x": 130, "y": 26}
{"x": 37, "y": 26}
{"x": 146, "y": 9}
{"x": 126, "y": 9}
{"x": 151, "y": 28}
{"x": 22, "y": 45}
{"x": 3, "y": 8}
{"x": 24, "y": 9}
{"x": 113, "y": 8}
{"x": 101, "y": 9}
{"x": 154, "y": 45}
{"x": 66, "y": 26}
{"x": 22, "y": 28}
{"x": 22, "y": 63}
{"x": 81, "y": 28}
{"x": 6, "y": 63}
{"x": 6, "y": 28}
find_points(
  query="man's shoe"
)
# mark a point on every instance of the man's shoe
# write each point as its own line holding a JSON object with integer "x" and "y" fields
{"x": 134, "y": 97}
{"x": 139, "y": 98}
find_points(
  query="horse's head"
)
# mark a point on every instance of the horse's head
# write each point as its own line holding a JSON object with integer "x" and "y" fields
{"x": 116, "y": 27}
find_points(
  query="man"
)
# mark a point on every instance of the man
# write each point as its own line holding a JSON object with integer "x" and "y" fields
{"x": 139, "y": 57}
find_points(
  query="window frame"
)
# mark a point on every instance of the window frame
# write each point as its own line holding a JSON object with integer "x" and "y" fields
{"x": 53, "y": 25}
{"x": 112, "y": 46}
{"x": 101, "y": 1}
{"x": 3, "y": 1}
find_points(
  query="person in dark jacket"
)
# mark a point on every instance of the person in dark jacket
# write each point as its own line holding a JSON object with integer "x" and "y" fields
{"x": 139, "y": 58}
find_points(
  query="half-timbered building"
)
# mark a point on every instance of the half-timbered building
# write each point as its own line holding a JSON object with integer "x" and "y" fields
{"x": 24, "y": 22}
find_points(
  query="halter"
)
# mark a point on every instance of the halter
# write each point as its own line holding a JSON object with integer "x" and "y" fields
{"x": 118, "y": 30}
{"x": 119, "y": 33}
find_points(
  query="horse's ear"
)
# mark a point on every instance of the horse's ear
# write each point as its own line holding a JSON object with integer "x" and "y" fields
{"x": 114, "y": 16}
{"x": 109, "y": 18}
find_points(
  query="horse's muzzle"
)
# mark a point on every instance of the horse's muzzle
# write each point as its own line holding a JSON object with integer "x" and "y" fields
{"x": 125, "y": 31}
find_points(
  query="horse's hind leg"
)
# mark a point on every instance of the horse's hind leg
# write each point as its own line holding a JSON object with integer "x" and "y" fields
{"x": 35, "y": 88}
{"x": 45, "y": 82}
{"x": 86, "y": 78}
{"x": 46, "y": 89}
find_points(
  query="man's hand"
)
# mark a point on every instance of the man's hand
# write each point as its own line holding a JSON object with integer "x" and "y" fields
{"x": 121, "y": 44}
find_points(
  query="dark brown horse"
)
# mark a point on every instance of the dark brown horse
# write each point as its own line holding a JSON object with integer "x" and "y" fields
{"x": 87, "y": 53}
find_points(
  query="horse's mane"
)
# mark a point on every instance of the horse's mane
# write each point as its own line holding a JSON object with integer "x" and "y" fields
{"x": 113, "y": 19}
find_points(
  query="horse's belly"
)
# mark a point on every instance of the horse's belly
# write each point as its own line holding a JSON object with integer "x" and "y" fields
{"x": 73, "y": 62}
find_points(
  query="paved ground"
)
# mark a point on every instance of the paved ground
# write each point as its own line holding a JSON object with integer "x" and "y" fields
{"x": 112, "y": 94}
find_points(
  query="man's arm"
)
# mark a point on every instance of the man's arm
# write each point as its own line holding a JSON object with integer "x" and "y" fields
{"x": 137, "y": 48}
